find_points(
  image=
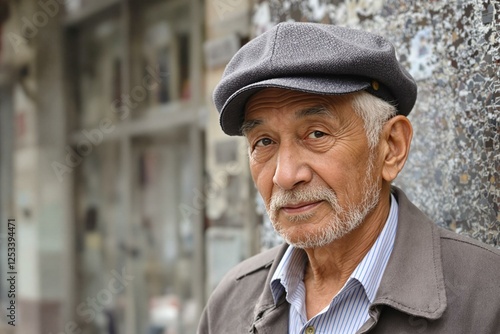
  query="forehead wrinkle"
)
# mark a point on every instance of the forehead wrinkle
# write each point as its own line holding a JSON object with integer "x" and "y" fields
{"x": 318, "y": 110}
{"x": 272, "y": 99}
{"x": 278, "y": 98}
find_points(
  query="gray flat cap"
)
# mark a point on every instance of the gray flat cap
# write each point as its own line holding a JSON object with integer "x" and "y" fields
{"x": 313, "y": 58}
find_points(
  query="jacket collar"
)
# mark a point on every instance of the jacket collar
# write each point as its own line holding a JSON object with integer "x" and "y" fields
{"x": 413, "y": 280}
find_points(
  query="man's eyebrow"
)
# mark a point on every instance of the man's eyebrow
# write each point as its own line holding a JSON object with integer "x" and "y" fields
{"x": 249, "y": 125}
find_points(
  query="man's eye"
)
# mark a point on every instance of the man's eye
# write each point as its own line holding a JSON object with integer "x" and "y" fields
{"x": 263, "y": 142}
{"x": 316, "y": 134}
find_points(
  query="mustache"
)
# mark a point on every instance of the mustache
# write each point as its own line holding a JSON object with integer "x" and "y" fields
{"x": 284, "y": 198}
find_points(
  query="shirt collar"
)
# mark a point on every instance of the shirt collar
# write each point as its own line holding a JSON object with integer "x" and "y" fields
{"x": 369, "y": 272}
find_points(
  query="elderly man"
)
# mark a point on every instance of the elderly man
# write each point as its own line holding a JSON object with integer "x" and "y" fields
{"x": 323, "y": 109}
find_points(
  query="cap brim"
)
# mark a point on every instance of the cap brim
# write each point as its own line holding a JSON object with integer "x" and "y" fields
{"x": 233, "y": 111}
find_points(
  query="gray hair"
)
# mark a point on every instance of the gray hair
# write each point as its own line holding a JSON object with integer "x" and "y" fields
{"x": 374, "y": 112}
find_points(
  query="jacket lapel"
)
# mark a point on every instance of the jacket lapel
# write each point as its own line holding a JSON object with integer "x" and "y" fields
{"x": 413, "y": 280}
{"x": 268, "y": 317}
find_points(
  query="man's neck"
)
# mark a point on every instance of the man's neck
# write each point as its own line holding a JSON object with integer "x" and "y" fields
{"x": 330, "y": 267}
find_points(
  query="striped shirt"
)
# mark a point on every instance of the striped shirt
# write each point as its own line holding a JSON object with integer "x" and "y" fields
{"x": 348, "y": 310}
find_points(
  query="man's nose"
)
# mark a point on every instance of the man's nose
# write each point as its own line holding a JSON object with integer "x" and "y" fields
{"x": 292, "y": 169}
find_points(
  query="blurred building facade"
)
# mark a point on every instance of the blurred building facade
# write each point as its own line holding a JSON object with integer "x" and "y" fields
{"x": 131, "y": 203}
{"x": 106, "y": 142}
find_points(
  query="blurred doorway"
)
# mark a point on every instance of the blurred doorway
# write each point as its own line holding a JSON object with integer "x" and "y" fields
{"x": 164, "y": 233}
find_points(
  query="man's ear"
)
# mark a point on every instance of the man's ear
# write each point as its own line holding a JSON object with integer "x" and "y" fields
{"x": 396, "y": 136}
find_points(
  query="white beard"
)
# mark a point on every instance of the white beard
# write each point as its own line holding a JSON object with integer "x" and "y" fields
{"x": 343, "y": 221}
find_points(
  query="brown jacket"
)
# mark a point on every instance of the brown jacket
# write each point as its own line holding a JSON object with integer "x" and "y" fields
{"x": 435, "y": 282}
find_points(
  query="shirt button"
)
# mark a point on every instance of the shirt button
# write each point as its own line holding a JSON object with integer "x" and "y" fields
{"x": 310, "y": 330}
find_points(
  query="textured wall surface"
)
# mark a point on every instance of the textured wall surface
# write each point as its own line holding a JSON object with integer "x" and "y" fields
{"x": 452, "y": 48}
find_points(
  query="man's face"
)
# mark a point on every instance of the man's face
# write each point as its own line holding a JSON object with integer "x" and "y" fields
{"x": 310, "y": 160}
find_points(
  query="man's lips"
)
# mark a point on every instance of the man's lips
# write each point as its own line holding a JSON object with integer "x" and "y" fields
{"x": 300, "y": 207}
